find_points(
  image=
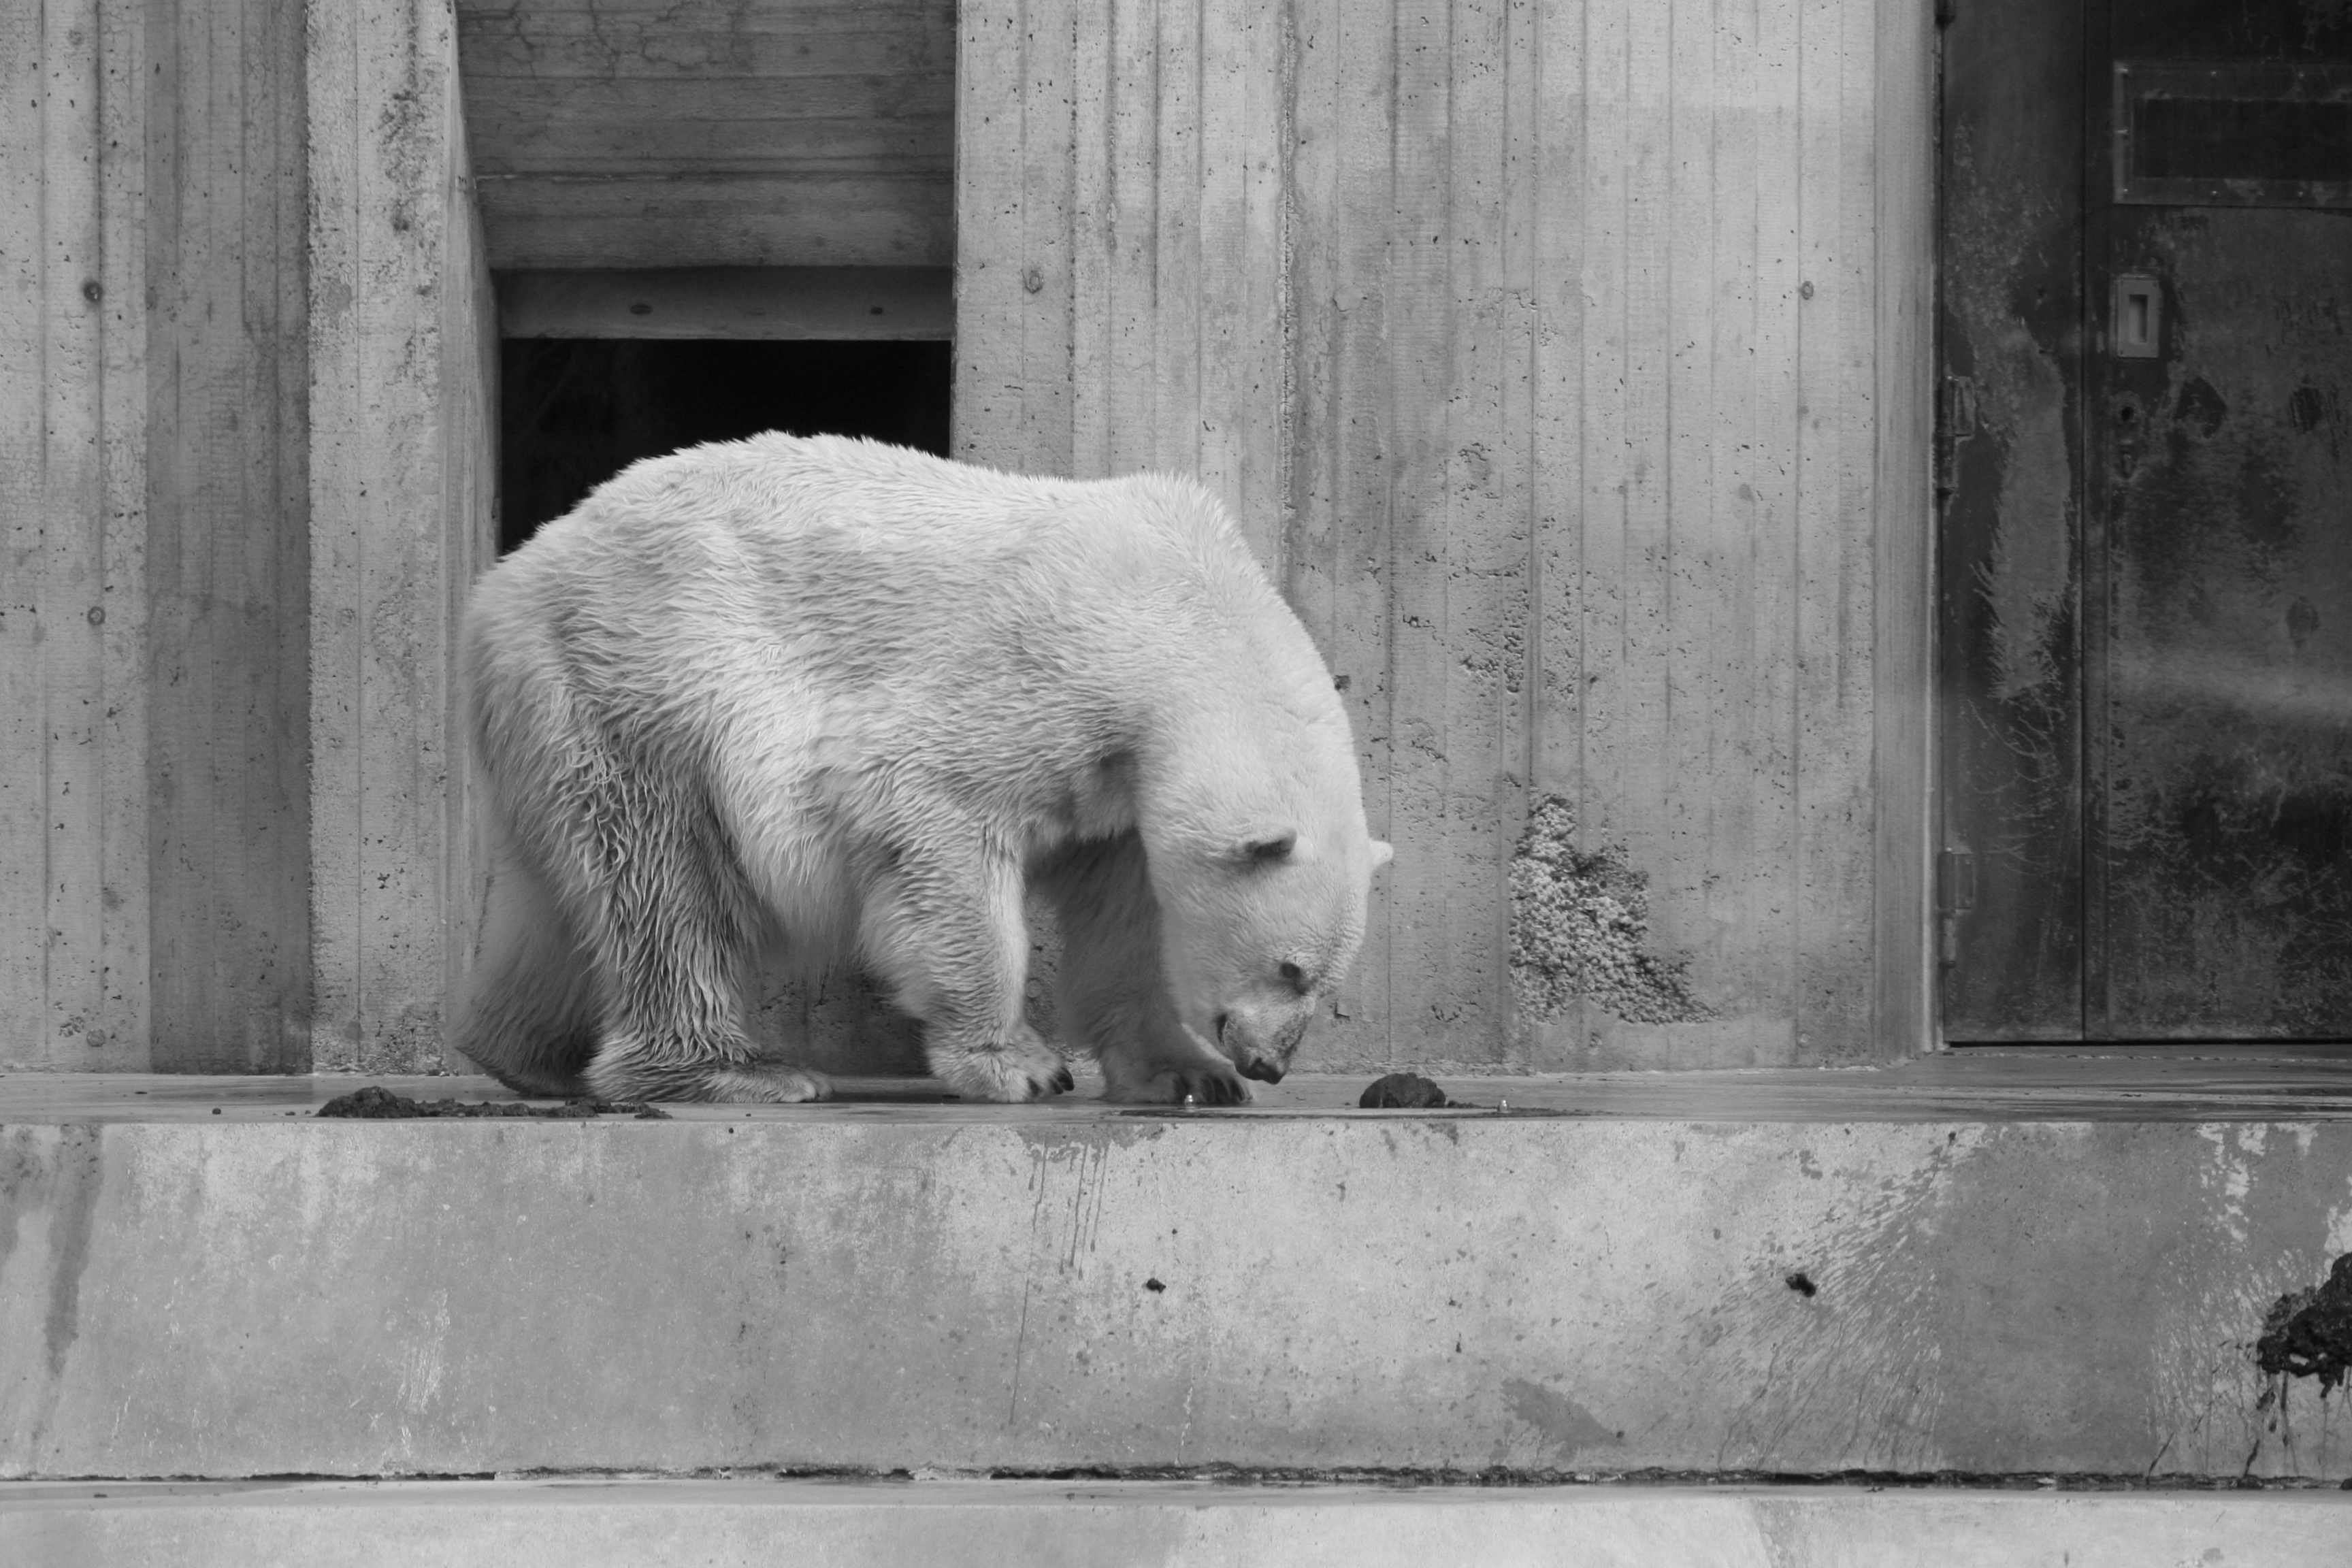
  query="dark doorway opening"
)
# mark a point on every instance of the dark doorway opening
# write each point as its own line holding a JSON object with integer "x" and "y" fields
{"x": 576, "y": 411}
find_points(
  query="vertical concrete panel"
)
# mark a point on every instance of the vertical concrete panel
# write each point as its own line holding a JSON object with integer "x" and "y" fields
{"x": 1562, "y": 240}
{"x": 988, "y": 405}
{"x": 1902, "y": 595}
{"x": 1733, "y": 954}
{"x": 124, "y": 904}
{"x": 73, "y": 630}
{"x": 1423, "y": 1002}
{"x": 1335, "y": 549}
{"x": 1704, "y": 549}
{"x": 72, "y": 502}
{"x": 227, "y": 538}
{"x": 24, "y": 805}
{"x": 399, "y": 494}
{"x": 158, "y": 902}
{"x": 469, "y": 421}
{"x": 1834, "y": 628}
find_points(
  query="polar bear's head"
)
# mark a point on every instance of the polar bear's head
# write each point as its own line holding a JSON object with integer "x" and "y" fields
{"x": 1262, "y": 867}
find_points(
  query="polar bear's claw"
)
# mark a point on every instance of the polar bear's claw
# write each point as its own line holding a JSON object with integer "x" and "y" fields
{"x": 1012, "y": 1073}
{"x": 1167, "y": 1083}
{"x": 1210, "y": 1085}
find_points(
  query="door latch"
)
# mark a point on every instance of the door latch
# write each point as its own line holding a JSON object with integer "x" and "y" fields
{"x": 2137, "y": 331}
{"x": 1955, "y": 894}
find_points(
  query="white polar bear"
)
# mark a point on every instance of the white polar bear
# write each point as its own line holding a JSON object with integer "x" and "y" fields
{"x": 834, "y": 701}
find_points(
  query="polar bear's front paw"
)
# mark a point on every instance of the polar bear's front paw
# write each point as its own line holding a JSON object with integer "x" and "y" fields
{"x": 769, "y": 1083}
{"x": 624, "y": 1077}
{"x": 1168, "y": 1083}
{"x": 1011, "y": 1073}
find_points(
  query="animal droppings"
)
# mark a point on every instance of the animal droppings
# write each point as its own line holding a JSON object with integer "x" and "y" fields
{"x": 1404, "y": 1091}
{"x": 1579, "y": 927}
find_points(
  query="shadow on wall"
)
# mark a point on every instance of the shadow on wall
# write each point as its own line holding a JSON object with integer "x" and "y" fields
{"x": 576, "y": 411}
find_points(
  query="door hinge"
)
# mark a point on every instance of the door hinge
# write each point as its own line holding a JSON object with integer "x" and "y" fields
{"x": 1955, "y": 894}
{"x": 1956, "y": 881}
{"x": 1955, "y": 422}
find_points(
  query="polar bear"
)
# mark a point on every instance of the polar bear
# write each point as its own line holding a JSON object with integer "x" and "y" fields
{"x": 819, "y": 702}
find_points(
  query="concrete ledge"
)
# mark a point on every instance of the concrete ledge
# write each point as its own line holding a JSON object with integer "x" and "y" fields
{"x": 1540, "y": 1297}
{"x": 726, "y": 1524}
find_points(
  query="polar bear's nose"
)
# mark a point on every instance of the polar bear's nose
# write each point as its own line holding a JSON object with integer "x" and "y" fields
{"x": 1262, "y": 1070}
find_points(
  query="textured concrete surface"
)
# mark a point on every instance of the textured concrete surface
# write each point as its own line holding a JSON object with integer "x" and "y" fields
{"x": 725, "y": 1524}
{"x": 897, "y": 1289}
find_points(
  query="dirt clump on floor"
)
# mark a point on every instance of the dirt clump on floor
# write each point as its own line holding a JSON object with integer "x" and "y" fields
{"x": 1404, "y": 1091}
{"x": 375, "y": 1103}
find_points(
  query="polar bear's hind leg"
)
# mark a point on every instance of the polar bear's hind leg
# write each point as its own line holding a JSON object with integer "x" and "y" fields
{"x": 677, "y": 934}
{"x": 528, "y": 1016}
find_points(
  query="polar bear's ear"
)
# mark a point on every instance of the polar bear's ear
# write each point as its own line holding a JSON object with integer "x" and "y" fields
{"x": 1383, "y": 853}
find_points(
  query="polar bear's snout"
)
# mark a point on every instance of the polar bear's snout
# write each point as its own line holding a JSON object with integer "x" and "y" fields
{"x": 1262, "y": 1070}
{"x": 1260, "y": 1041}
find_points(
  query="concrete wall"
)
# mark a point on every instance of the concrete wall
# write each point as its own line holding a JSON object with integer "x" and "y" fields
{"x": 403, "y": 342}
{"x": 1567, "y": 362}
{"x": 153, "y": 814}
{"x": 251, "y": 355}
{"x": 1563, "y": 359}
{"x": 977, "y": 1290}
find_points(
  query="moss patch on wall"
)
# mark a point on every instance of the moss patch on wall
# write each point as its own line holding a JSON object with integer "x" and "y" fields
{"x": 1579, "y": 927}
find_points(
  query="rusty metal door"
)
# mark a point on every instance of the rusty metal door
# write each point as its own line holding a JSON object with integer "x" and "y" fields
{"x": 2147, "y": 549}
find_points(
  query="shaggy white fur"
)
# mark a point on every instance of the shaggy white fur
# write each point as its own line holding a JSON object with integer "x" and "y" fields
{"x": 835, "y": 701}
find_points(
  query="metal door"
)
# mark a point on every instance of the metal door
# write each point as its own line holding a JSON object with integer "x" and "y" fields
{"x": 2146, "y": 549}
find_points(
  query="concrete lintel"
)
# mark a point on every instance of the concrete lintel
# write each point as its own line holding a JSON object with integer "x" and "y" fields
{"x": 871, "y": 303}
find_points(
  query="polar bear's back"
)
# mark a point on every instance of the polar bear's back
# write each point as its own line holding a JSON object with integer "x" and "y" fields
{"x": 849, "y": 547}
{"x": 866, "y": 585}
{"x": 788, "y": 503}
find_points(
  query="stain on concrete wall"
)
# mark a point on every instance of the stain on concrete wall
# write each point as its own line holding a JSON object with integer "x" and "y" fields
{"x": 1579, "y": 927}
{"x": 2308, "y": 1334}
{"x": 1567, "y": 1426}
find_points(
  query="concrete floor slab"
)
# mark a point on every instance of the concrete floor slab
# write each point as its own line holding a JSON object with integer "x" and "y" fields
{"x": 2040, "y": 1083}
{"x": 724, "y": 1524}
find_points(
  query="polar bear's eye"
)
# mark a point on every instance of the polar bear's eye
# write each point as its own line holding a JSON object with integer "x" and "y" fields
{"x": 1263, "y": 850}
{"x": 1292, "y": 972}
